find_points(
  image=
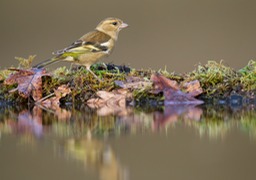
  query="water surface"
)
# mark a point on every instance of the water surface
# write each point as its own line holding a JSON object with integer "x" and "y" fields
{"x": 174, "y": 142}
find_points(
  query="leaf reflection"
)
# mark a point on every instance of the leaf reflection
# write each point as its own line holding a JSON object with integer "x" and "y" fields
{"x": 77, "y": 121}
{"x": 173, "y": 113}
{"x": 80, "y": 133}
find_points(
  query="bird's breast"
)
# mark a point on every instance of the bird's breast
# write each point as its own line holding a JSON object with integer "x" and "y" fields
{"x": 91, "y": 58}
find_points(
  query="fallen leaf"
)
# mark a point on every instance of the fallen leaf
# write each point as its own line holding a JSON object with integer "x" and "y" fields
{"x": 60, "y": 92}
{"x": 133, "y": 83}
{"x": 160, "y": 83}
{"x": 193, "y": 88}
{"x": 172, "y": 92}
{"x": 29, "y": 82}
{"x": 51, "y": 104}
{"x": 178, "y": 97}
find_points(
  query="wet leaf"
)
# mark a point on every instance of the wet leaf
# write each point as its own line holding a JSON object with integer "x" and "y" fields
{"x": 29, "y": 82}
{"x": 51, "y": 103}
{"x": 172, "y": 92}
{"x": 60, "y": 92}
{"x": 178, "y": 97}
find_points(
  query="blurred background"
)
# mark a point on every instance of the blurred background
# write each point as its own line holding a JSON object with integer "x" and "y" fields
{"x": 176, "y": 34}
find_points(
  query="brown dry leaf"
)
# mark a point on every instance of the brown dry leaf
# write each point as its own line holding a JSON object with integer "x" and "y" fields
{"x": 52, "y": 104}
{"x": 110, "y": 102}
{"x": 178, "y": 97}
{"x": 133, "y": 83}
{"x": 160, "y": 83}
{"x": 171, "y": 91}
{"x": 193, "y": 88}
{"x": 60, "y": 92}
{"x": 29, "y": 82}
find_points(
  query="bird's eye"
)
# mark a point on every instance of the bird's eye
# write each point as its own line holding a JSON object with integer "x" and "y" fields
{"x": 114, "y": 23}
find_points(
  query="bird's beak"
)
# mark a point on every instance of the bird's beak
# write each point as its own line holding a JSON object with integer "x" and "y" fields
{"x": 123, "y": 25}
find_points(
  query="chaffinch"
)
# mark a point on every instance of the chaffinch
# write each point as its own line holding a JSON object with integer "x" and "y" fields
{"x": 91, "y": 47}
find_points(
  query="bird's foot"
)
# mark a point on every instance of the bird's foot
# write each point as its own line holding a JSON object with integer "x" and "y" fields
{"x": 94, "y": 75}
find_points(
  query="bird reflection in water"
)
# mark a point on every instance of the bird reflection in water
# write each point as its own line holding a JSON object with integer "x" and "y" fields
{"x": 96, "y": 155}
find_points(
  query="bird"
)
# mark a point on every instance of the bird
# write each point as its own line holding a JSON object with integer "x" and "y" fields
{"x": 91, "y": 47}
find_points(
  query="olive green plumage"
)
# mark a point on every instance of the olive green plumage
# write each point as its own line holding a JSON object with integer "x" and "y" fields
{"x": 91, "y": 47}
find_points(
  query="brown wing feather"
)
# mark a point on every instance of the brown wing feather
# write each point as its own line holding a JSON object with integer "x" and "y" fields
{"x": 95, "y": 38}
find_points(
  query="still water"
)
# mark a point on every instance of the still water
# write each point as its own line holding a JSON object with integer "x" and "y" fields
{"x": 175, "y": 142}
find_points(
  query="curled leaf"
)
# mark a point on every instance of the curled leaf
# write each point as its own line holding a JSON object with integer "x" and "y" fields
{"x": 193, "y": 88}
{"x": 178, "y": 97}
{"x": 29, "y": 82}
{"x": 60, "y": 92}
{"x": 172, "y": 92}
{"x": 160, "y": 83}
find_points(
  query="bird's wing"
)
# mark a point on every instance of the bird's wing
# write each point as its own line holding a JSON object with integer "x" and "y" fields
{"x": 90, "y": 42}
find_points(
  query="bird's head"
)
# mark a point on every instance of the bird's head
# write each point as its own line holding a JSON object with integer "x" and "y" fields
{"x": 111, "y": 26}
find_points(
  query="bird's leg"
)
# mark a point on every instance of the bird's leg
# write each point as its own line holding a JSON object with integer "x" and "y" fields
{"x": 105, "y": 66}
{"x": 88, "y": 68}
{"x": 71, "y": 67}
{"x": 117, "y": 69}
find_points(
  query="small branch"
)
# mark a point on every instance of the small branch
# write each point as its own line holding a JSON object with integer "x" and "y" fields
{"x": 44, "y": 98}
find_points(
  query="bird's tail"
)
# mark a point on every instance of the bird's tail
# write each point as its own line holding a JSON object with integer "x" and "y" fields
{"x": 46, "y": 62}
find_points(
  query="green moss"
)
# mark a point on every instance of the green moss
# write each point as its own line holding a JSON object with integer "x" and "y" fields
{"x": 248, "y": 76}
{"x": 25, "y": 63}
{"x": 216, "y": 79}
{"x": 144, "y": 97}
{"x": 83, "y": 84}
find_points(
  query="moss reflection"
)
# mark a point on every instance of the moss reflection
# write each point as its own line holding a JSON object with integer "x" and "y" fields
{"x": 77, "y": 121}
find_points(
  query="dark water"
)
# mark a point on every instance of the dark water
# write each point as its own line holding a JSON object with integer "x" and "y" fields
{"x": 174, "y": 142}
